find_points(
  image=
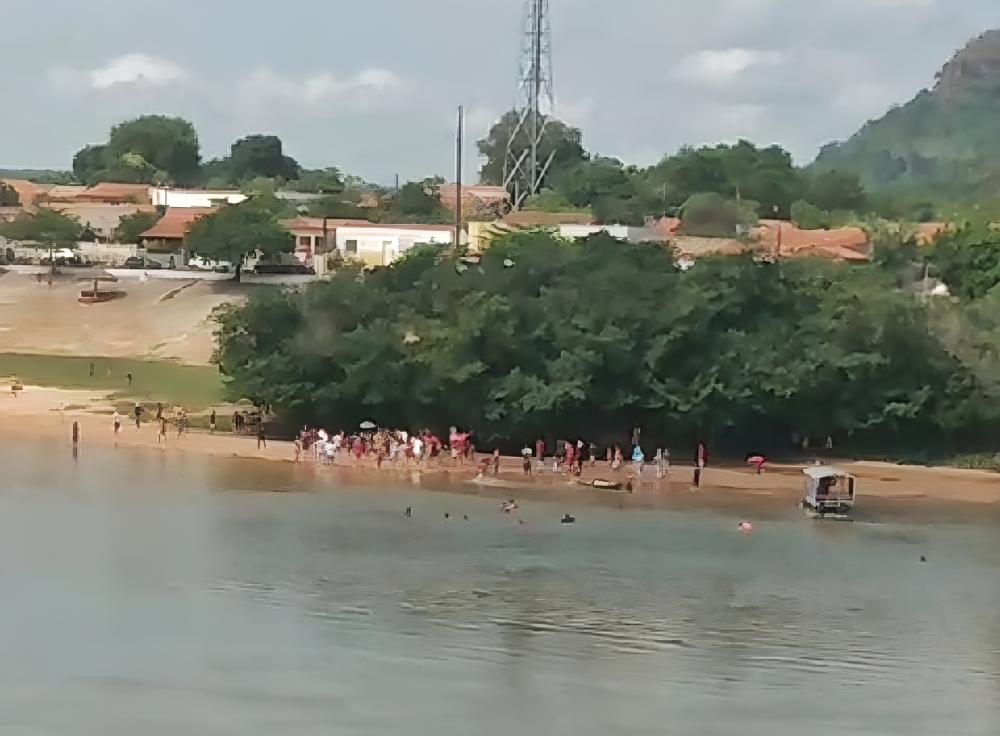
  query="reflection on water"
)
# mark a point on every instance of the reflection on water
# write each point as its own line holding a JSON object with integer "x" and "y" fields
{"x": 148, "y": 595}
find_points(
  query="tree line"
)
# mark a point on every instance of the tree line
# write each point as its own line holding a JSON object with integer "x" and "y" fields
{"x": 544, "y": 337}
{"x": 745, "y": 180}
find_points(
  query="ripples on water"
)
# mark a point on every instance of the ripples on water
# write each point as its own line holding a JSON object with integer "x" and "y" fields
{"x": 168, "y": 603}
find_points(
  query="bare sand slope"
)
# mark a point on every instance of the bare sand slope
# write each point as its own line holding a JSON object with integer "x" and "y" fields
{"x": 156, "y": 320}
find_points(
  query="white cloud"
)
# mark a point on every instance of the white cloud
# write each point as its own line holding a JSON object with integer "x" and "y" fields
{"x": 137, "y": 69}
{"x": 130, "y": 70}
{"x": 719, "y": 66}
{"x": 366, "y": 88}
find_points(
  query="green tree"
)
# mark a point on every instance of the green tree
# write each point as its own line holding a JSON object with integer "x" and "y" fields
{"x": 166, "y": 144}
{"x": 550, "y": 200}
{"x": 237, "y": 231}
{"x": 836, "y": 190}
{"x": 968, "y": 260}
{"x": 810, "y": 217}
{"x": 44, "y": 227}
{"x": 712, "y": 215}
{"x": 560, "y": 141}
{"x": 335, "y": 207}
{"x": 9, "y": 196}
{"x": 261, "y": 156}
{"x": 130, "y": 227}
{"x": 416, "y": 202}
{"x": 318, "y": 181}
{"x": 89, "y": 162}
{"x": 743, "y": 171}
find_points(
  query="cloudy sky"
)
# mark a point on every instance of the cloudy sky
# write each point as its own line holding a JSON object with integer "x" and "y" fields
{"x": 372, "y": 86}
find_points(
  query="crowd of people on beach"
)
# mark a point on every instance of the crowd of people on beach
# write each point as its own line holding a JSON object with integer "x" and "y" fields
{"x": 400, "y": 449}
{"x": 397, "y": 448}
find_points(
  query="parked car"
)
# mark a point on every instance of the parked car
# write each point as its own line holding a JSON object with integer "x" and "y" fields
{"x": 206, "y": 264}
{"x": 139, "y": 263}
{"x": 284, "y": 269}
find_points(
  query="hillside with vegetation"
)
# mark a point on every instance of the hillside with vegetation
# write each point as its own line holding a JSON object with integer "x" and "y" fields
{"x": 943, "y": 142}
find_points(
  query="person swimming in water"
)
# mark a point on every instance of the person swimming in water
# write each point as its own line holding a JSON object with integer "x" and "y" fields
{"x": 567, "y": 519}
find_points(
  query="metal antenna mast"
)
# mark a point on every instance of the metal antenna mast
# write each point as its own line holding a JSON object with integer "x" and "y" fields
{"x": 524, "y": 169}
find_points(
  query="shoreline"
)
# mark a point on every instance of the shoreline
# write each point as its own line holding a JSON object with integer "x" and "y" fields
{"x": 41, "y": 414}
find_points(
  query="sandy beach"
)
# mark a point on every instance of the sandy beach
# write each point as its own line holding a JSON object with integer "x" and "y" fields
{"x": 47, "y": 414}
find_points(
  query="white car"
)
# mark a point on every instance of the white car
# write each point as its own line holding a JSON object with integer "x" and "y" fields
{"x": 206, "y": 264}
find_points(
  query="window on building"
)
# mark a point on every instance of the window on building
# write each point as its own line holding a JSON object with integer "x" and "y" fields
{"x": 351, "y": 246}
{"x": 304, "y": 241}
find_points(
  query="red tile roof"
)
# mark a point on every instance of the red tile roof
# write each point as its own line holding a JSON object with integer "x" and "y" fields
{"x": 315, "y": 224}
{"x": 176, "y": 223}
{"x": 112, "y": 192}
{"x": 484, "y": 193}
{"x": 794, "y": 241}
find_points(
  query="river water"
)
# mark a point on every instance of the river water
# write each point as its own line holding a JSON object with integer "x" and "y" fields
{"x": 166, "y": 596}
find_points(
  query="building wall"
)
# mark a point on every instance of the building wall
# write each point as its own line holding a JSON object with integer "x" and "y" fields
{"x": 381, "y": 246}
{"x": 193, "y": 197}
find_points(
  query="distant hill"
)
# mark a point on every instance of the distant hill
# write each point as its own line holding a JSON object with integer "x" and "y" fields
{"x": 39, "y": 176}
{"x": 944, "y": 141}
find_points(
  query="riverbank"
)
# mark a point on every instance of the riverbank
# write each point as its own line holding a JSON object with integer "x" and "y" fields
{"x": 47, "y": 415}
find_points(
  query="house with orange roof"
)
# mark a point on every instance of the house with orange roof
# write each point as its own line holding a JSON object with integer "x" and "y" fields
{"x": 168, "y": 234}
{"x": 783, "y": 239}
{"x": 114, "y": 193}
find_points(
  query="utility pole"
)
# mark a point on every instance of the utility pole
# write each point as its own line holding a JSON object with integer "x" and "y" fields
{"x": 459, "y": 145}
{"x": 524, "y": 169}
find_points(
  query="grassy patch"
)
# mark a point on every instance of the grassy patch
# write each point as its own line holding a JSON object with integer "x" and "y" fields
{"x": 191, "y": 386}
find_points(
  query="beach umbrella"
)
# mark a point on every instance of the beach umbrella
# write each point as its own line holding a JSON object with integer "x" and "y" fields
{"x": 102, "y": 276}
{"x": 367, "y": 425}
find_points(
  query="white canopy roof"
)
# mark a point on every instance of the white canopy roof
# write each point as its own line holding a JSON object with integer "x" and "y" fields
{"x": 818, "y": 472}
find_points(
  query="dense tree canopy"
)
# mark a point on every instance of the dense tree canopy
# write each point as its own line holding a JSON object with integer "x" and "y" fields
{"x": 45, "y": 227}
{"x": 712, "y": 215}
{"x": 130, "y": 227}
{"x": 741, "y": 352}
{"x": 562, "y": 142}
{"x": 261, "y": 155}
{"x": 147, "y": 149}
{"x": 968, "y": 260}
{"x": 9, "y": 196}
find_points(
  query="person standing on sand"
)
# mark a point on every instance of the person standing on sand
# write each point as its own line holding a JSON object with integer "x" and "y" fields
{"x": 162, "y": 436}
{"x": 700, "y": 461}
{"x": 76, "y": 433}
{"x": 138, "y": 414}
{"x": 526, "y": 460}
{"x": 116, "y": 419}
{"x": 159, "y": 411}
{"x": 261, "y": 435}
{"x": 540, "y": 453}
{"x": 496, "y": 461}
{"x": 211, "y": 422}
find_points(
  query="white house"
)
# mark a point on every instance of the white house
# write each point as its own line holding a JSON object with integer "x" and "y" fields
{"x": 169, "y": 197}
{"x": 381, "y": 244}
{"x": 376, "y": 244}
